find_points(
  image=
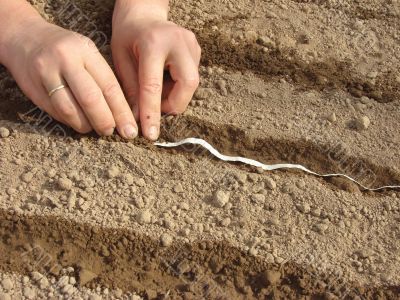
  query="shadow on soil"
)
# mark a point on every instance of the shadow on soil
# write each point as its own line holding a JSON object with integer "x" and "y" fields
{"x": 119, "y": 258}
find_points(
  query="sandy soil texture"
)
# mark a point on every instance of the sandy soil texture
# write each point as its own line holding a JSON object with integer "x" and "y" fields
{"x": 309, "y": 82}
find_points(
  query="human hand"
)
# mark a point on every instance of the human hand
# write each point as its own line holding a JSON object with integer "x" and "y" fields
{"x": 144, "y": 46}
{"x": 42, "y": 56}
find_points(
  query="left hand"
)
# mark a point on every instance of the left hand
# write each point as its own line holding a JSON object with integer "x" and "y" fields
{"x": 143, "y": 48}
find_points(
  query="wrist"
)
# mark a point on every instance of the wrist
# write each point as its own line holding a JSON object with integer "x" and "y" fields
{"x": 140, "y": 10}
{"x": 14, "y": 31}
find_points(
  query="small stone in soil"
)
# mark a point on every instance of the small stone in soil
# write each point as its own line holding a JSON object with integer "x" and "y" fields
{"x": 220, "y": 198}
{"x": 29, "y": 293}
{"x": 266, "y": 42}
{"x": 4, "y": 132}
{"x": 113, "y": 172}
{"x": 270, "y": 277}
{"x": 226, "y": 222}
{"x": 166, "y": 240}
{"x": 332, "y": 118}
{"x": 258, "y": 198}
{"x": 141, "y": 182}
{"x": 362, "y": 123}
{"x": 241, "y": 178}
{"x": 178, "y": 188}
{"x": 144, "y": 217}
{"x": 51, "y": 173}
{"x": 27, "y": 177}
{"x": 203, "y": 93}
{"x": 5, "y": 296}
{"x": 65, "y": 184}
{"x": 7, "y": 284}
{"x": 128, "y": 179}
{"x": 304, "y": 208}
{"x": 86, "y": 276}
{"x": 270, "y": 183}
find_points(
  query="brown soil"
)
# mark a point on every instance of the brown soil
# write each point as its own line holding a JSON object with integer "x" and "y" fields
{"x": 123, "y": 259}
{"x": 281, "y": 81}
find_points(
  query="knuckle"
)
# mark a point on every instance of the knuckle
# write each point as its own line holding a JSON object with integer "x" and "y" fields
{"x": 39, "y": 62}
{"x": 152, "y": 37}
{"x": 152, "y": 87}
{"x": 90, "y": 98}
{"x": 192, "y": 36}
{"x": 180, "y": 33}
{"x": 192, "y": 83}
{"x": 112, "y": 90}
{"x": 122, "y": 116}
{"x": 90, "y": 44}
{"x": 61, "y": 50}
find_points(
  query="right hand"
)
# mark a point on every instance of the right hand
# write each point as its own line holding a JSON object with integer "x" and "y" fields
{"x": 43, "y": 56}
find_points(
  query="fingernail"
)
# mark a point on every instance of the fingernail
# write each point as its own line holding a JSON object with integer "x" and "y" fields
{"x": 130, "y": 131}
{"x": 109, "y": 131}
{"x": 153, "y": 133}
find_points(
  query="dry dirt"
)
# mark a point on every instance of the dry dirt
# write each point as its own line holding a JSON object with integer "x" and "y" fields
{"x": 310, "y": 82}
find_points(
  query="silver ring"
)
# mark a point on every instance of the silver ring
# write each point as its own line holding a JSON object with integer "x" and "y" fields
{"x": 60, "y": 87}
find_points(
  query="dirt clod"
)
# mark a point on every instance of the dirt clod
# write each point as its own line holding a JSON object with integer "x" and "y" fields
{"x": 144, "y": 217}
{"x": 85, "y": 276}
{"x": 29, "y": 293}
{"x": 166, "y": 240}
{"x": 270, "y": 277}
{"x": 332, "y": 117}
{"x": 266, "y": 41}
{"x": 362, "y": 123}
{"x": 220, "y": 198}
{"x": 7, "y": 284}
{"x": 113, "y": 172}
{"x": 4, "y": 132}
{"x": 5, "y": 296}
{"x": 203, "y": 93}
{"x": 281, "y": 82}
{"x": 27, "y": 177}
{"x": 270, "y": 183}
{"x": 65, "y": 184}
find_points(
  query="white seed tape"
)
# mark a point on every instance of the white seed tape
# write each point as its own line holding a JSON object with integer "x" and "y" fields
{"x": 252, "y": 162}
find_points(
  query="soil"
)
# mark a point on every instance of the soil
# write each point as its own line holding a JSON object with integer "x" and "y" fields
{"x": 309, "y": 82}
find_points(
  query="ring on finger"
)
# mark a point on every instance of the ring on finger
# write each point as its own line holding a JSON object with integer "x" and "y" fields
{"x": 56, "y": 89}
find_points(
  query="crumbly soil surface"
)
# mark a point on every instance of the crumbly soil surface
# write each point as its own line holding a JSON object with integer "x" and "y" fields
{"x": 309, "y": 82}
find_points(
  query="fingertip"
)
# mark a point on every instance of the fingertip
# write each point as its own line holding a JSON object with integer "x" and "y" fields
{"x": 107, "y": 132}
{"x": 129, "y": 131}
{"x": 152, "y": 133}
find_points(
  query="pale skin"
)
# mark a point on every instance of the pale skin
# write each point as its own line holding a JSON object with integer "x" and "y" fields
{"x": 41, "y": 56}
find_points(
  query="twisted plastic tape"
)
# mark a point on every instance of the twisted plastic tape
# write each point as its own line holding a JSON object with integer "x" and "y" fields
{"x": 252, "y": 162}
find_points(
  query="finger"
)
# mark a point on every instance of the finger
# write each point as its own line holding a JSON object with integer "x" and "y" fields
{"x": 151, "y": 69}
{"x": 35, "y": 91}
{"x": 168, "y": 85}
{"x": 112, "y": 92}
{"x": 65, "y": 105}
{"x": 184, "y": 71}
{"x": 90, "y": 98}
{"x": 127, "y": 73}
